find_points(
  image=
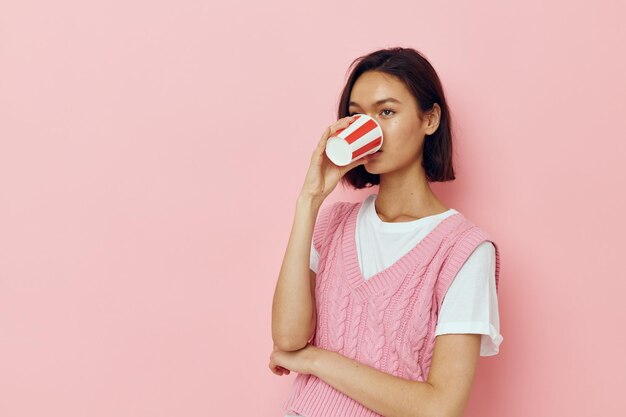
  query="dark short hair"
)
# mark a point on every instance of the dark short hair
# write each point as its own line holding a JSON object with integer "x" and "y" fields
{"x": 422, "y": 81}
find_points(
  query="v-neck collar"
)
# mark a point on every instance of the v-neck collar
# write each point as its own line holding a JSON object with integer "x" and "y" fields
{"x": 364, "y": 287}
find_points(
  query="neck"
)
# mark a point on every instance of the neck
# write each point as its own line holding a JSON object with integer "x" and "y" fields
{"x": 406, "y": 196}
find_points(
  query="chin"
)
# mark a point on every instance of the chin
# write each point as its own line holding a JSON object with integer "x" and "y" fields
{"x": 372, "y": 168}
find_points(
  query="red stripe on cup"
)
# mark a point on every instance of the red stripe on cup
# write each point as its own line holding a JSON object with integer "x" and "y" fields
{"x": 361, "y": 131}
{"x": 367, "y": 147}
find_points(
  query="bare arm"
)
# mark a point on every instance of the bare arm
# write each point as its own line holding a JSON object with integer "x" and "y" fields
{"x": 444, "y": 394}
{"x": 293, "y": 307}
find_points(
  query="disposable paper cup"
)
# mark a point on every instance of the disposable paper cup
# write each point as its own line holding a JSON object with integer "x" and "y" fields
{"x": 362, "y": 137}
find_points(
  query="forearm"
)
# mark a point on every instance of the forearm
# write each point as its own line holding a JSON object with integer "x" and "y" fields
{"x": 384, "y": 393}
{"x": 293, "y": 309}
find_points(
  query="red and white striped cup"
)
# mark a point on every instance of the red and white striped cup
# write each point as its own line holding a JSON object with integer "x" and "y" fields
{"x": 362, "y": 137}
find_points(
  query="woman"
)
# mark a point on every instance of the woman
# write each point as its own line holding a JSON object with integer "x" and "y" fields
{"x": 401, "y": 295}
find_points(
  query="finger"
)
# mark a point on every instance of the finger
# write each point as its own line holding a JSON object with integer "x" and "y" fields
{"x": 341, "y": 124}
{"x": 331, "y": 130}
{"x": 325, "y": 136}
{"x": 275, "y": 370}
{"x": 321, "y": 146}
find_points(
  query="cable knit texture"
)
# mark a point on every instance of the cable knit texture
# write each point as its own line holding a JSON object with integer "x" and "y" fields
{"x": 387, "y": 321}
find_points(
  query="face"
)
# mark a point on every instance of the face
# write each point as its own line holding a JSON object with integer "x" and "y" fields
{"x": 399, "y": 118}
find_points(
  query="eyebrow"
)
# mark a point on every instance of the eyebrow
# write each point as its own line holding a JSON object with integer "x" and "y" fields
{"x": 379, "y": 102}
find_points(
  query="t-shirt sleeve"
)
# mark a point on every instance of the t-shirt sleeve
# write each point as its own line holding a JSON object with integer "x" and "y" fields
{"x": 471, "y": 303}
{"x": 314, "y": 259}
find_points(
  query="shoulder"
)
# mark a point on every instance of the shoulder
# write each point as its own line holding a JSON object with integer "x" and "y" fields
{"x": 478, "y": 268}
{"x": 469, "y": 247}
{"x": 478, "y": 248}
{"x": 473, "y": 237}
{"x": 485, "y": 251}
{"x": 473, "y": 244}
{"x": 328, "y": 219}
{"x": 477, "y": 242}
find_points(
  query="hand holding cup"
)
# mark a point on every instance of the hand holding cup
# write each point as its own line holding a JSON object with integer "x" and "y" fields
{"x": 324, "y": 175}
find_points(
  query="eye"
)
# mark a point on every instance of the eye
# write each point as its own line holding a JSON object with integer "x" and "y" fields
{"x": 352, "y": 113}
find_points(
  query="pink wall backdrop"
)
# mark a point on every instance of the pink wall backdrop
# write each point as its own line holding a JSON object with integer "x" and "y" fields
{"x": 150, "y": 157}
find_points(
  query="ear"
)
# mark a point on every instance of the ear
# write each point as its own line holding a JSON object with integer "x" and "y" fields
{"x": 433, "y": 117}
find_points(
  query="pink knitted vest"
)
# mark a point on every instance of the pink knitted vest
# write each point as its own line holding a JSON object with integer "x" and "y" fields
{"x": 387, "y": 321}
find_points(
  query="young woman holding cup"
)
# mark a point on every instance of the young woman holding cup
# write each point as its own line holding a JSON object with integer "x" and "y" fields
{"x": 383, "y": 307}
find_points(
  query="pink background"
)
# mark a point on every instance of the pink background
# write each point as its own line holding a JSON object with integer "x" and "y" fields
{"x": 150, "y": 157}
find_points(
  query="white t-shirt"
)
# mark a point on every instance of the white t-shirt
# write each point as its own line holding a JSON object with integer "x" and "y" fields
{"x": 470, "y": 304}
